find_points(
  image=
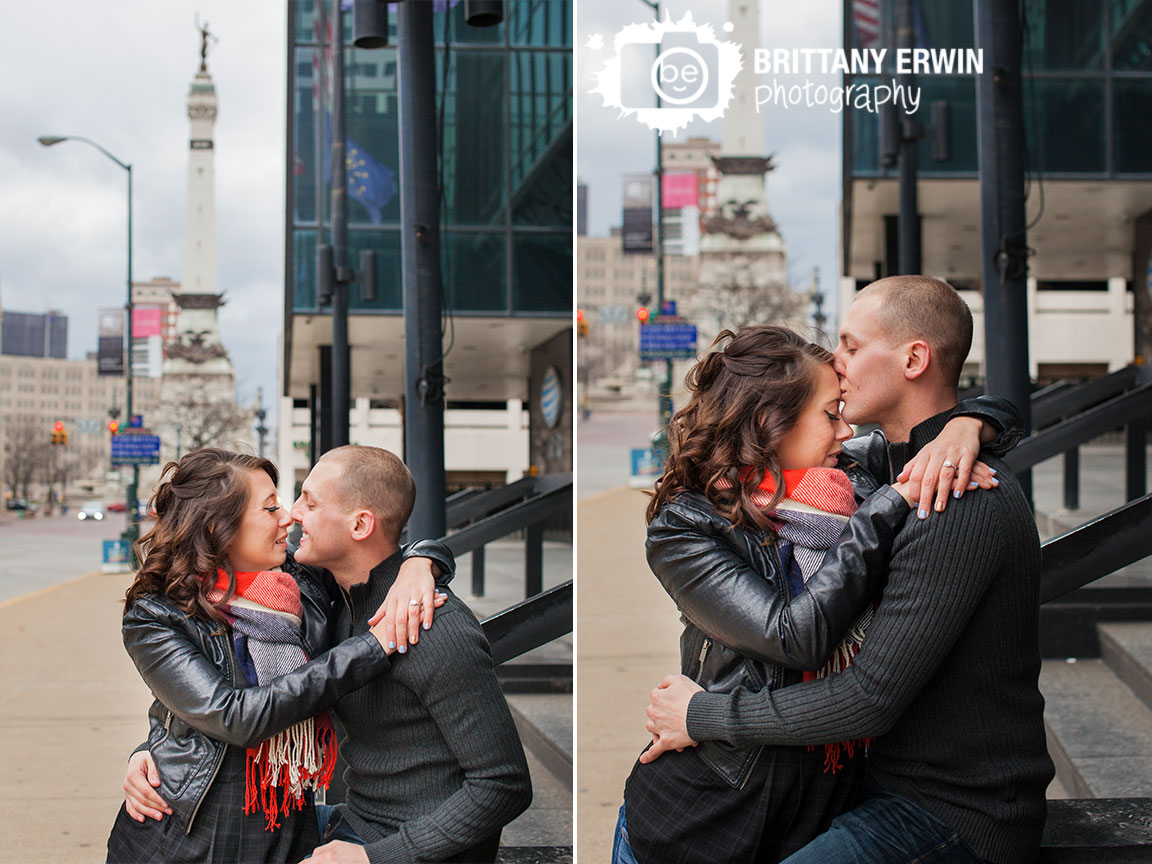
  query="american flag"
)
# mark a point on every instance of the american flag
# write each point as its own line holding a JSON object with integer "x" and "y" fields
{"x": 866, "y": 18}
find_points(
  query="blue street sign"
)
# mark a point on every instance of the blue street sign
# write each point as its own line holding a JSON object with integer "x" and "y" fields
{"x": 660, "y": 341}
{"x": 135, "y": 449}
{"x": 646, "y": 467}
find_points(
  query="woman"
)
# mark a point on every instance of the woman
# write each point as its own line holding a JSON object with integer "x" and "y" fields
{"x": 752, "y": 470}
{"x": 240, "y": 736}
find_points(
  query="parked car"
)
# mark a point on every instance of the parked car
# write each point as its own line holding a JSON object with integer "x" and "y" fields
{"x": 117, "y": 507}
{"x": 91, "y": 510}
{"x": 16, "y": 504}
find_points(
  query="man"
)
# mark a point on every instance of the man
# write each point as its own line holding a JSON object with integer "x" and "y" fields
{"x": 946, "y": 680}
{"x": 435, "y": 766}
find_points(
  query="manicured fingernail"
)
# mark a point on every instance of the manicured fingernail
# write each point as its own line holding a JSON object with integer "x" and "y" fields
{"x": 923, "y": 514}
{"x": 995, "y": 482}
{"x": 403, "y": 649}
{"x": 426, "y": 625}
{"x": 956, "y": 494}
{"x": 993, "y": 470}
{"x": 392, "y": 645}
{"x": 971, "y": 486}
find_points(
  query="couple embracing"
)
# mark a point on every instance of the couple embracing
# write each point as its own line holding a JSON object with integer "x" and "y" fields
{"x": 859, "y": 667}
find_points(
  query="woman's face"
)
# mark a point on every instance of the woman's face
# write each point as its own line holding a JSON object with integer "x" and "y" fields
{"x": 261, "y": 542}
{"x": 814, "y": 442}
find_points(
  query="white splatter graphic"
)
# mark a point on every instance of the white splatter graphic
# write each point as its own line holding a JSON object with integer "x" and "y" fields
{"x": 692, "y": 73}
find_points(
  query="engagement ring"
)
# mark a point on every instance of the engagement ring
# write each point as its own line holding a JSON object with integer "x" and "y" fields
{"x": 948, "y": 463}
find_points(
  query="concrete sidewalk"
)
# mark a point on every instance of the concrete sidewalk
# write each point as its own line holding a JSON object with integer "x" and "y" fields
{"x": 72, "y": 709}
{"x": 629, "y": 633}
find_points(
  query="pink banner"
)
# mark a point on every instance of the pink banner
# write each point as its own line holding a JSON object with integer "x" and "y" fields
{"x": 147, "y": 321}
{"x": 679, "y": 190}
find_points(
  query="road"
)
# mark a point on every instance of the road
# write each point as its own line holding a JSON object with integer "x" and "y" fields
{"x": 603, "y": 445}
{"x": 43, "y": 551}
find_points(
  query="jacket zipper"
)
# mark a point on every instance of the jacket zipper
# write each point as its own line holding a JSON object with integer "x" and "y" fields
{"x": 703, "y": 653}
{"x": 223, "y": 750}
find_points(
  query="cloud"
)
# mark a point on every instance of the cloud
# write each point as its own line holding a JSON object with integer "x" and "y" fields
{"x": 119, "y": 73}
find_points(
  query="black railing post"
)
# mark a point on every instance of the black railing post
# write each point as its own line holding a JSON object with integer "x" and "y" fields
{"x": 1072, "y": 479}
{"x": 534, "y": 559}
{"x": 478, "y": 572}
{"x": 1135, "y": 459}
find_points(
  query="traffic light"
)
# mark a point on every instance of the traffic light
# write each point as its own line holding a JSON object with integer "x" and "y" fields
{"x": 113, "y": 426}
{"x": 642, "y": 314}
{"x": 63, "y": 436}
{"x": 581, "y": 324}
{"x": 57, "y": 432}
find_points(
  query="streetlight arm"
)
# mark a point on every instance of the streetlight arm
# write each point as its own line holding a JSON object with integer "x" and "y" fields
{"x": 49, "y": 140}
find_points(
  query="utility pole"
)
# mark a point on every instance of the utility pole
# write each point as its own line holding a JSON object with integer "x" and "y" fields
{"x": 908, "y": 222}
{"x": 1003, "y": 240}
{"x": 420, "y": 262}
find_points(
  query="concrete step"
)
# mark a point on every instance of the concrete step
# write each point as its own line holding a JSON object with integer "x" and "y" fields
{"x": 546, "y": 826}
{"x": 544, "y": 721}
{"x": 1099, "y": 732}
{"x": 1126, "y": 646}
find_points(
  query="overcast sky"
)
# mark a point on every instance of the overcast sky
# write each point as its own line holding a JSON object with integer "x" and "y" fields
{"x": 119, "y": 73}
{"x": 803, "y": 191}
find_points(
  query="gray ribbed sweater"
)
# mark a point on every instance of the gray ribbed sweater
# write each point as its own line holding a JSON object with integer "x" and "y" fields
{"x": 435, "y": 763}
{"x": 946, "y": 680}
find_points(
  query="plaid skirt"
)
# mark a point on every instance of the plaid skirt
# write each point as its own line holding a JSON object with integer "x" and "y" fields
{"x": 680, "y": 811}
{"x": 222, "y": 833}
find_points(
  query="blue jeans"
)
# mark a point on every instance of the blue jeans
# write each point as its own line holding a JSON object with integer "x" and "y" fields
{"x": 886, "y": 829}
{"x": 333, "y": 826}
{"x": 621, "y": 851}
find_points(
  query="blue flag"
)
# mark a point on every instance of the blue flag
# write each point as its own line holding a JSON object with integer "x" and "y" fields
{"x": 370, "y": 183}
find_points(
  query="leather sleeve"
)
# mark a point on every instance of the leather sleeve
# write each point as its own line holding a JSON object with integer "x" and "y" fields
{"x": 692, "y": 553}
{"x": 999, "y": 412}
{"x": 870, "y": 453}
{"x": 436, "y": 551}
{"x": 190, "y": 685}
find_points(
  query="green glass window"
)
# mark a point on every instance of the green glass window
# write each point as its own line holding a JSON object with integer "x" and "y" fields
{"x": 960, "y": 94}
{"x": 473, "y": 268}
{"x": 542, "y": 272}
{"x": 373, "y": 153}
{"x": 304, "y": 140}
{"x": 1064, "y": 119}
{"x": 1063, "y": 34}
{"x": 865, "y": 135}
{"x": 474, "y": 138}
{"x": 1131, "y": 36}
{"x": 1132, "y": 134}
{"x": 389, "y": 291}
{"x": 303, "y": 269}
{"x": 540, "y": 22}
{"x": 460, "y": 30}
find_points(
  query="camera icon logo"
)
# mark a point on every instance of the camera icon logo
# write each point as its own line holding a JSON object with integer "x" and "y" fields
{"x": 669, "y": 73}
{"x": 682, "y": 75}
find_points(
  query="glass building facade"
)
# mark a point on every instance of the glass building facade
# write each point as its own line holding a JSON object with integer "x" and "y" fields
{"x": 504, "y": 125}
{"x": 1087, "y": 88}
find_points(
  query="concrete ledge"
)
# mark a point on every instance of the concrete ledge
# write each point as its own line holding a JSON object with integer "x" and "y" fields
{"x": 534, "y": 855}
{"x": 1079, "y": 831}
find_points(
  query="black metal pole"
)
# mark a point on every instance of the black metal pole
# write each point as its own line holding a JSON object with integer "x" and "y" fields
{"x": 908, "y": 223}
{"x": 420, "y": 256}
{"x": 1004, "y": 265}
{"x": 341, "y": 389}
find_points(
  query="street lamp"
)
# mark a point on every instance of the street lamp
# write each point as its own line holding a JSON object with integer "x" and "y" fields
{"x": 132, "y": 532}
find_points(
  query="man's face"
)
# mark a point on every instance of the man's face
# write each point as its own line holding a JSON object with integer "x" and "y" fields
{"x": 871, "y": 370}
{"x": 322, "y": 514}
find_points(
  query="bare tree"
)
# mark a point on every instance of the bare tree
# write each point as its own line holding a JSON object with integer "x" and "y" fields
{"x": 199, "y": 418}
{"x": 27, "y": 453}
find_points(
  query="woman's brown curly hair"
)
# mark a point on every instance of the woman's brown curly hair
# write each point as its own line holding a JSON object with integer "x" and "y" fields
{"x": 198, "y": 512}
{"x": 747, "y": 394}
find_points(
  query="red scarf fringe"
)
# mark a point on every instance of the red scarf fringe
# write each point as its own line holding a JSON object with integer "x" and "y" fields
{"x": 276, "y": 799}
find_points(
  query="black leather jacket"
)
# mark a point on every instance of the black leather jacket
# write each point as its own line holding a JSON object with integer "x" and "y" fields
{"x": 203, "y": 702}
{"x": 741, "y": 627}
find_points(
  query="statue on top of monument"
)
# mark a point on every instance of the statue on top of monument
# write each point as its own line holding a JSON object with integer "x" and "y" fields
{"x": 205, "y": 35}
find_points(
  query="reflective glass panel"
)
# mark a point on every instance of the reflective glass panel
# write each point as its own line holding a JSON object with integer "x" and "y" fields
{"x": 542, "y": 272}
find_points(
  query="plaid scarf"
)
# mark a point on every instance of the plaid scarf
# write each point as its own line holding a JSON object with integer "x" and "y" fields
{"x": 809, "y": 519}
{"x": 265, "y": 615}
